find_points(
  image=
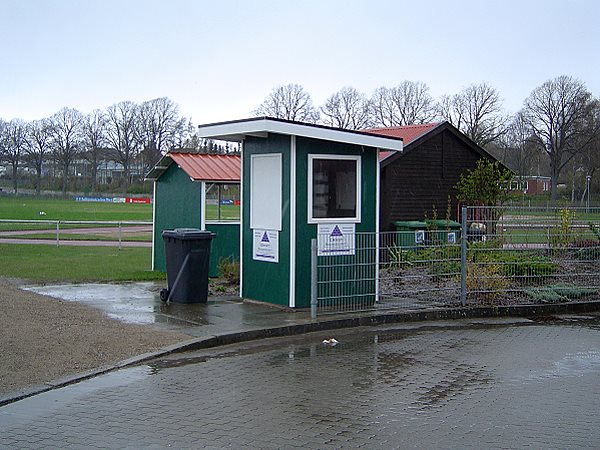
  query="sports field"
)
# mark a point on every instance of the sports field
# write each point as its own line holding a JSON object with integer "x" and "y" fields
{"x": 24, "y": 208}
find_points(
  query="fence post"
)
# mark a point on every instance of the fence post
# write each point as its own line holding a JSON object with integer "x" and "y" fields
{"x": 463, "y": 257}
{"x": 57, "y": 232}
{"x": 119, "y": 235}
{"x": 313, "y": 279}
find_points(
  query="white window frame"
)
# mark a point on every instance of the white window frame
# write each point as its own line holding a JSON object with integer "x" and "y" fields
{"x": 357, "y": 217}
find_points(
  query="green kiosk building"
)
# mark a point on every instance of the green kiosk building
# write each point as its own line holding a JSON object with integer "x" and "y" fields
{"x": 298, "y": 181}
{"x": 194, "y": 190}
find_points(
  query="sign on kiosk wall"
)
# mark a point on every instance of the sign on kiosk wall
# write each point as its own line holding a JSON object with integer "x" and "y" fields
{"x": 265, "y": 245}
{"x": 336, "y": 239}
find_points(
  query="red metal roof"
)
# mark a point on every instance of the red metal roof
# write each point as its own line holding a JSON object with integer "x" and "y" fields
{"x": 408, "y": 133}
{"x": 205, "y": 167}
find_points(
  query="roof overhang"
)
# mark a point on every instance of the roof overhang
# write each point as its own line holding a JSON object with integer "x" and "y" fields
{"x": 161, "y": 167}
{"x": 238, "y": 130}
{"x": 213, "y": 168}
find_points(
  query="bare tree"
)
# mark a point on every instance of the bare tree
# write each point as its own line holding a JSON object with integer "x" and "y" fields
{"x": 408, "y": 103}
{"x": 348, "y": 109}
{"x": 15, "y": 144}
{"x": 94, "y": 142}
{"x": 477, "y": 112}
{"x": 289, "y": 102}
{"x": 40, "y": 135}
{"x": 590, "y": 152}
{"x": 123, "y": 135}
{"x": 3, "y": 139}
{"x": 159, "y": 122}
{"x": 519, "y": 149}
{"x": 181, "y": 133}
{"x": 556, "y": 113}
{"x": 66, "y": 140}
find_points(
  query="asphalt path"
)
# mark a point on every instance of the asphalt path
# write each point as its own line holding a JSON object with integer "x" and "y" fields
{"x": 6, "y": 239}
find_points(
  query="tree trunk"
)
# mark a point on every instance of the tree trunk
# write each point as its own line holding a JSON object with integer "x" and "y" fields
{"x": 554, "y": 173}
{"x": 65, "y": 179}
{"x": 38, "y": 181}
{"x": 94, "y": 175}
{"x": 15, "y": 172}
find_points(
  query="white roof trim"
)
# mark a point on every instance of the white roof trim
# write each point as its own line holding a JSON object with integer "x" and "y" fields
{"x": 238, "y": 130}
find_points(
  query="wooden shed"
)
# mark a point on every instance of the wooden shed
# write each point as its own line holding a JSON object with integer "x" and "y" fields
{"x": 420, "y": 179}
{"x": 194, "y": 190}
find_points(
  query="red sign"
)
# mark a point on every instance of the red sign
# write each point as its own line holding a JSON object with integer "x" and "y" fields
{"x": 138, "y": 200}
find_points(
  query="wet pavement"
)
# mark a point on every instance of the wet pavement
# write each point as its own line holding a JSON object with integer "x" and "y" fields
{"x": 140, "y": 303}
{"x": 487, "y": 384}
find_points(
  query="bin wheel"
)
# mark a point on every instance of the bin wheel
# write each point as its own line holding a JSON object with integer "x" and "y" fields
{"x": 164, "y": 294}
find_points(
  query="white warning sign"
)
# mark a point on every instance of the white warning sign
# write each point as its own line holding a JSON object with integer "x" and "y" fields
{"x": 265, "y": 246}
{"x": 336, "y": 239}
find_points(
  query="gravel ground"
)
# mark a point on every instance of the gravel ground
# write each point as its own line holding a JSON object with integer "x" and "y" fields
{"x": 43, "y": 338}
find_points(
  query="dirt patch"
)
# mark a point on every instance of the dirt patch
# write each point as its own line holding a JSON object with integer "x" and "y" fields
{"x": 44, "y": 338}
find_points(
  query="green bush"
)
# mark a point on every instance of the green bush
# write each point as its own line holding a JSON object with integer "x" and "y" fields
{"x": 229, "y": 269}
{"x": 443, "y": 261}
{"x": 525, "y": 265}
{"x": 585, "y": 250}
{"x": 559, "y": 293}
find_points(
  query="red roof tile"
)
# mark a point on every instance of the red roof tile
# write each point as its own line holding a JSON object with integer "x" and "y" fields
{"x": 408, "y": 133}
{"x": 205, "y": 167}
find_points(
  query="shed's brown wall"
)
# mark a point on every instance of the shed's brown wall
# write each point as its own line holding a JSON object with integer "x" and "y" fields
{"x": 422, "y": 178}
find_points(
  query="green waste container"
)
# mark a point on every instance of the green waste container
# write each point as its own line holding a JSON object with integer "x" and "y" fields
{"x": 443, "y": 231}
{"x": 410, "y": 234}
{"x": 187, "y": 253}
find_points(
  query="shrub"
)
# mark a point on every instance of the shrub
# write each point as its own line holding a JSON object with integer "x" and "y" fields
{"x": 399, "y": 257}
{"x": 585, "y": 250}
{"x": 526, "y": 265}
{"x": 513, "y": 264}
{"x": 229, "y": 269}
{"x": 559, "y": 293}
{"x": 485, "y": 281}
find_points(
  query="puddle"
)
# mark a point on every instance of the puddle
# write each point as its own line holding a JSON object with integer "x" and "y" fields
{"x": 137, "y": 303}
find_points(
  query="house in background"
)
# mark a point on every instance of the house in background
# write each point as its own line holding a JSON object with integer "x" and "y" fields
{"x": 535, "y": 185}
{"x": 423, "y": 175}
{"x": 195, "y": 190}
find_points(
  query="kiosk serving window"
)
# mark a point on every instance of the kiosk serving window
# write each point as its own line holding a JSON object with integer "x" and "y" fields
{"x": 222, "y": 202}
{"x": 334, "y": 188}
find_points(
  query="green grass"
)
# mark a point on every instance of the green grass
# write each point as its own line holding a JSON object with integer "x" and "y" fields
{"x": 228, "y": 212}
{"x": 47, "y": 264}
{"x": 22, "y": 208}
{"x": 84, "y": 237}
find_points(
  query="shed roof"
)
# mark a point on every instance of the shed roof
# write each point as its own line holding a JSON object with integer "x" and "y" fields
{"x": 237, "y": 130}
{"x": 408, "y": 133}
{"x": 201, "y": 166}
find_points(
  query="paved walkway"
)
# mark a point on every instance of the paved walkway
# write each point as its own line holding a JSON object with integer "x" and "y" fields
{"x": 491, "y": 384}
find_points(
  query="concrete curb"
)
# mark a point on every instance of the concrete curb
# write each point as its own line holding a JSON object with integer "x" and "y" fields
{"x": 323, "y": 324}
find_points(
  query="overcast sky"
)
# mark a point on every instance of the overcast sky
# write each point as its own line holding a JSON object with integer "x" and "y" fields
{"x": 219, "y": 59}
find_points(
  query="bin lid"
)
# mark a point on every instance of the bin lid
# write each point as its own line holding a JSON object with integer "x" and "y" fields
{"x": 188, "y": 233}
{"x": 410, "y": 224}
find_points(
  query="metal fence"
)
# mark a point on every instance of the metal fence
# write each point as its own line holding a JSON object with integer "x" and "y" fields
{"x": 494, "y": 256}
{"x": 72, "y": 230}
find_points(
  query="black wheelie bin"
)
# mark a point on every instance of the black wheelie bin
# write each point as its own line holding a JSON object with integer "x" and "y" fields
{"x": 187, "y": 252}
